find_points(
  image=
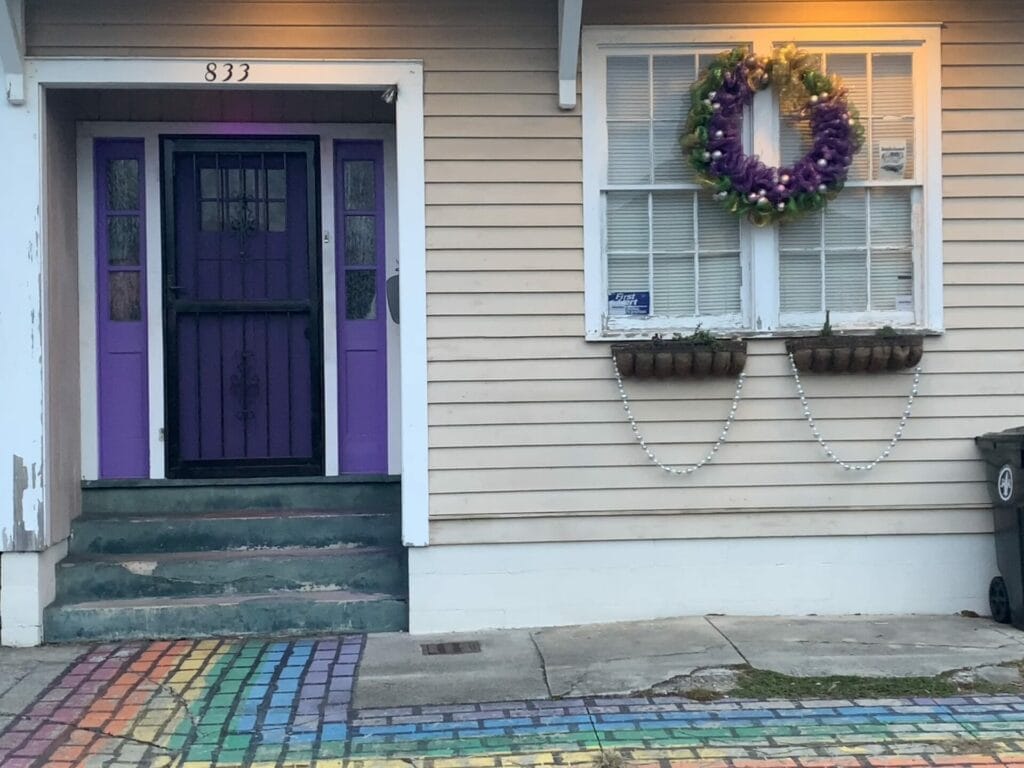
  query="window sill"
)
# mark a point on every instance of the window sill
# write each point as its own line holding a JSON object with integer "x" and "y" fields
{"x": 612, "y": 336}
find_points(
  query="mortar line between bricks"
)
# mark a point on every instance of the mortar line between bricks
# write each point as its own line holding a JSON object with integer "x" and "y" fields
{"x": 728, "y": 640}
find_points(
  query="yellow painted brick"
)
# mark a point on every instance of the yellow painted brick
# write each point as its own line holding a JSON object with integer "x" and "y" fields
{"x": 707, "y": 752}
{"x": 521, "y": 761}
{"x": 579, "y": 758}
{"x": 329, "y": 764}
{"x": 464, "y": 762}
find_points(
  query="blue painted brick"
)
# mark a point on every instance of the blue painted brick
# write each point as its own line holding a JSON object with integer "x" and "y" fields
{"x": 334, "y": 732}
{"x": 383, "y": 730}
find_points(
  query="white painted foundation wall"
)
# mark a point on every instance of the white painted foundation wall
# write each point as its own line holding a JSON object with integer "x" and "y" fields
{"x": 462, "y": 588}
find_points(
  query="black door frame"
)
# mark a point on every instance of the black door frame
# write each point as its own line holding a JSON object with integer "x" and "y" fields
{"x": 228, "y": 468}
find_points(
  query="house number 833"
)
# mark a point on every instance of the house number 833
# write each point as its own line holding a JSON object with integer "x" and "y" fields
{"x": 228, "y": 71}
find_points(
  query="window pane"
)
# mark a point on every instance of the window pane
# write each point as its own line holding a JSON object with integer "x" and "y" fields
{"x": 892, "y": 281}
{"x": 718, "y": 230}
{"x": 720, "y": 281}
{"x": 673, "y": 221}
{"x": 628, "y": 222}
{"x": 673, "y": 286}
{"x": 361, "y": 294}
{"x": 892, "y": 148}
{"x": 123, "y": 185}
{"x": 846, "y": 221}
{"x": 891, "y": 218}
{"x": 669, "y": 165}
{"x": 628, "y": 273}
{"x": 360, "y": 240}
{"x": 629, "y": 91}
{"x": 123, "y": 240}
{"x": 800, "y": 276}
{"x": 846, "y": 282}
{"x": 892, "y": 86}
{"x": 629, "y": 153}
{"x": 803, "y": 234}
{"x": 125, "y": 296}
{"x": 853, "y": 69}
{"x": 277, "y": 183}
{"x": 209, "y": 183}
{"x": 277, "y": 217}
{"x": 673, "y": 76}
{"x": 210, "y": 213}
{"x": 359, "y": 186}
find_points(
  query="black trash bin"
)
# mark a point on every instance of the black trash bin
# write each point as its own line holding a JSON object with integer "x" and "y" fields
{"x": 1004, "y": 464}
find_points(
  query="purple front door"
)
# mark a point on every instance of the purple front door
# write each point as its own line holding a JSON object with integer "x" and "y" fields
{"x": 244, "y": 366}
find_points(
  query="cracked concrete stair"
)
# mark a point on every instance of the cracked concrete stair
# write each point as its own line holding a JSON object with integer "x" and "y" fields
{"x": 144, "y": 566}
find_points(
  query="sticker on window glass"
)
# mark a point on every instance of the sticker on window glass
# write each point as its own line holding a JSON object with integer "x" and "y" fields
{"x": 904, "y": 303}
{"x": 892, "y": 159}
{"x": 622, "y": 304}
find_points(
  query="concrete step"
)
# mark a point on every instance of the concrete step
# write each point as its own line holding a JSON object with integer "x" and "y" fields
{"x": 239, "y": 529}
{"x": 135, "y": 498}
{"x": 90, "y": 577}
{"x": 174, "y": 617}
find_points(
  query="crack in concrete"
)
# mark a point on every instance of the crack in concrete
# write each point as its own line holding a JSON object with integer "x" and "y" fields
{"x": 543, "y": 665}
{"x": 891, "y": 644}
{"x": 121, "y": 737}
{"x": 728, "y": 640}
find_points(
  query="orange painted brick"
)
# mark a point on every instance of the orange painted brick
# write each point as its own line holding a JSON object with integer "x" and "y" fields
{"x": 783, "y": 763}
{"x": 829, "y": 762}
{"x": 94, "y": 720}
{"x": 896, "y": 761}
{"x": 68, "y": 754}
{"x": 963, "y": 760}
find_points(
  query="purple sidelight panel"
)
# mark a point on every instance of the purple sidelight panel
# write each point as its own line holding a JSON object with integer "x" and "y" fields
{"x": 362, "y": 314}
{"x": 121, "y": 329}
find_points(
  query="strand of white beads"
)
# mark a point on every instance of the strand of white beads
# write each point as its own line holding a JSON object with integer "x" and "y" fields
{"x": 828, "y": 449}
{"x": 643, "y": 443}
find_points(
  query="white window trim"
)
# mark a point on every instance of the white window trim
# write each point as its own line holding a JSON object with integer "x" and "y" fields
{"x": 760, "y": 294}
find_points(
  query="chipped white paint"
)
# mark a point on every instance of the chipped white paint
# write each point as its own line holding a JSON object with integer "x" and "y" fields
{"x": 21, "y": 356}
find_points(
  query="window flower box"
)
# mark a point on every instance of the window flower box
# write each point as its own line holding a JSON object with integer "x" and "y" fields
{"x": 855, "y": 354}
{"x": 680, "y": 358}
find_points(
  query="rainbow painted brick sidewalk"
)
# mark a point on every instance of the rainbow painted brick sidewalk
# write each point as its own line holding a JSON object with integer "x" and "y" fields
{"x": 198, "y": 704}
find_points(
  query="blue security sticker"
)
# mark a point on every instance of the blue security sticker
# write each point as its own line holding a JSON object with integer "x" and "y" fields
{"x": 621, "y": 304}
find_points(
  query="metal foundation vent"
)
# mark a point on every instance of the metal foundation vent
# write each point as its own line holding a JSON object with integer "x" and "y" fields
{"x": 450, "y": 649}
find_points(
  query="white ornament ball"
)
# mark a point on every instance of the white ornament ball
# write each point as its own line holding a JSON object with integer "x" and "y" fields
{"x": 712, "y": 94}
{"x": 716, "y": 154}
{"x": 781, "y": 206}
{"x": 824, "y": 95}
{"x": 822, "y": 188}
{"x": 784, "y": 178}
{"x": 752, "y": 197}
{"x": 822, "y": 162}
{"x": 780, "y": 188}
{"x": 716, "y": 106}
{"x": 719, "y": 134}
{"x": 814, "y": 99}
{"x": 707, "y": 155}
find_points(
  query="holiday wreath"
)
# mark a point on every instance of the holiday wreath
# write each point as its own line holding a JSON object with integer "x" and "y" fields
{"x": 744, "y": 184}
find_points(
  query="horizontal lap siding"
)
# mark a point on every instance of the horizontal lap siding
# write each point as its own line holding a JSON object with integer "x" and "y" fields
{"x": 524, "y": 415}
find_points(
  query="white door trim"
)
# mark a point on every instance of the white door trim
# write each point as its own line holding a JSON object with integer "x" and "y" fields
{"x": 407, "y": 77}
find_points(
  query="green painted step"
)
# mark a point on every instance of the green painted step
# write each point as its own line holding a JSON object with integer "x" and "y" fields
{"x": 90, "y": 577}
{"x": 275, "y": 614}
{"x": 136, "y": 498}
{"x": 234, "y": 530}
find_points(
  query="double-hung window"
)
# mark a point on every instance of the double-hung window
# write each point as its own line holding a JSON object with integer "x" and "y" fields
{"x": 662, "y": 256}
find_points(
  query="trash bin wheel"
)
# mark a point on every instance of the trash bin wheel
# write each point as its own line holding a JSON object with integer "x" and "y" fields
{"x": 999, "y": 600}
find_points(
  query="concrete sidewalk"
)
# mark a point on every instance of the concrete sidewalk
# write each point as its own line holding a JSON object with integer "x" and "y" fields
{"x": 515, "y": 698}
{"x": 656, "y": 656}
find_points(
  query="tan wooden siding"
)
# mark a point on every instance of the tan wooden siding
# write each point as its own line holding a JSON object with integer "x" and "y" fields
{"x": 527, "y": 437}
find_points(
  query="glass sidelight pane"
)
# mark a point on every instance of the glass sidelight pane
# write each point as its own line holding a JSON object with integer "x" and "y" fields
{"x": 123, "y": 185}
{"x": 361, "y": 294}
{"x": 123, "y": 240}
{"x": 125, "y": 296}
{"x": 360, "y": 240}
{"x": 360, "y": 192}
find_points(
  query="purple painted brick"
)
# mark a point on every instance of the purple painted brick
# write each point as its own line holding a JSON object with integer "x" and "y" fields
{"x": 312, "y": 691}
{"x": 32, "y": 748}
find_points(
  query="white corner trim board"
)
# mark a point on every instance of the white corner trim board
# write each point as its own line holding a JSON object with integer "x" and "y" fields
{"x": 570, "y": 25}
{"x": 471, "y": 587}
{"x": 12, "y": 49}
{"x": 28, "y": 583}
{"x": 235, "y": 74}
